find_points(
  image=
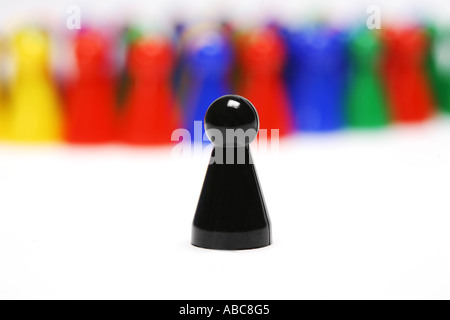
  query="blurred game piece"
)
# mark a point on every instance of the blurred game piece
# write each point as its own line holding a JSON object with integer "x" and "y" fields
{"x": 34, "y": 113}
{"x": 438, "y": 66}
{"x": 262, "y": 58}
{"x": 177, "y": 74}
{"x": 366, "y": 105}
{"x": 431, "y": 63}
{"x": 129, "y": 36}
{"x": 231, "y": 213}
{"x": 90, "y": 102}
{"x": 2, "y": 113}
{"x": 207, "y": 59}
{"x": 316, "y": 77}
{"x": 407, "y": 86}
{"x": 2, "y": 92}
{"x": 150, "y": 113}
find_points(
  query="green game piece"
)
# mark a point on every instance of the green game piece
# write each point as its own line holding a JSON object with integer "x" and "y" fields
{"x": 438, "y": 66}
{"x": 430, "y": 63}
{"x": 366, "y": 104}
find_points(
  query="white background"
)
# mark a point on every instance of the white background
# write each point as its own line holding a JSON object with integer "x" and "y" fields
{"x": 354, "y": 214}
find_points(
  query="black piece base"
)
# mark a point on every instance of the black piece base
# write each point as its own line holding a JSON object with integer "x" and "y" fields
{"x": 230, "y": 240}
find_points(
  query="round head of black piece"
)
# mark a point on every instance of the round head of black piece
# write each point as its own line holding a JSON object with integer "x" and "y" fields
{"x": 231, "y": 121}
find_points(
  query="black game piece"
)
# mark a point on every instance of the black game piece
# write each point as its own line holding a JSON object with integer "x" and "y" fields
{"x": 231, "y": 213}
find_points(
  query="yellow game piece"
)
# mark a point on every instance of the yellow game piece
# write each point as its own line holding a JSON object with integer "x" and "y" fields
{"x": 34, "y": 113}
{"x": 2, "y": 114}
{"x": 2, "y": 97}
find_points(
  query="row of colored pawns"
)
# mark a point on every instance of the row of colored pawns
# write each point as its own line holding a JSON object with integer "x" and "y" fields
{"x": 310, "y": 79}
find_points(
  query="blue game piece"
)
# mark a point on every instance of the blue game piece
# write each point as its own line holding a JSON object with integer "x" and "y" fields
{"x": 207, "y": 59}
{"x": 316, "y": 76}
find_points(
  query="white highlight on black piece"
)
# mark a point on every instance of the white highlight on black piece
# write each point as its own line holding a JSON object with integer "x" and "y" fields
{"x": 233, "y": 104}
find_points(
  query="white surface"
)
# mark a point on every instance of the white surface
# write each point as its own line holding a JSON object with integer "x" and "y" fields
{"x": 354, "y": 215}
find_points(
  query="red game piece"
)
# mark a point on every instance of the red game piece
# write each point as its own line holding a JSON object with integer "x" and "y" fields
{"x": 407, "y": 85}
{"x": 262, "y": 56}
{"x": 150, "y": 114}
{"x": 90, "y": 98}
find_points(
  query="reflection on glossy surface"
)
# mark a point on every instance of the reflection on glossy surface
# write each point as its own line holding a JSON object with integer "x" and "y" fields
{"x": 231, "y": 112}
